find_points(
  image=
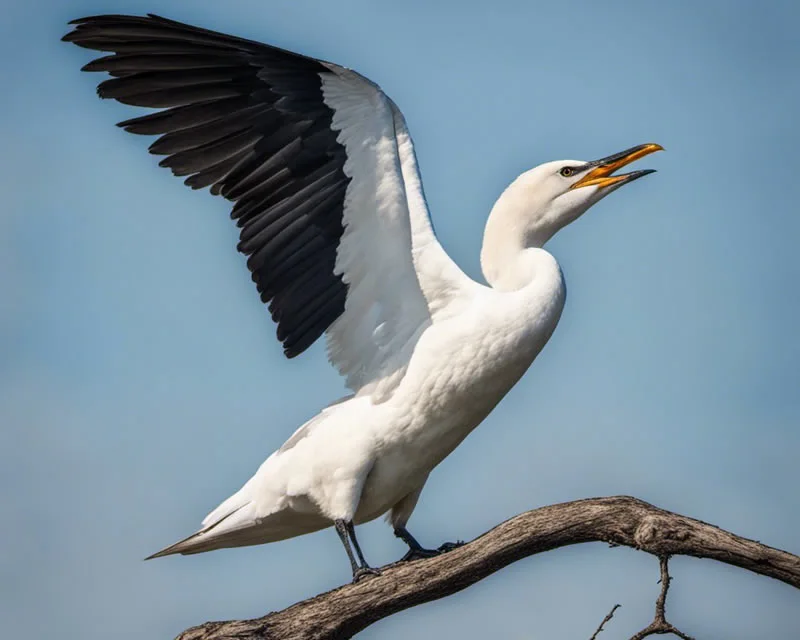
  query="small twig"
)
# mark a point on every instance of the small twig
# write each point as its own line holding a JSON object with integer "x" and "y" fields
{"x": 659, "y": 625}
{"x": 606, "y": 619}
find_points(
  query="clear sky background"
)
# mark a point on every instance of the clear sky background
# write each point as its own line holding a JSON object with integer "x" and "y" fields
{"x": 140, "y": 381}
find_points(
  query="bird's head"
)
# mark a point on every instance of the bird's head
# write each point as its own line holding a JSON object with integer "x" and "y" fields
{"x": 554, "y": 194}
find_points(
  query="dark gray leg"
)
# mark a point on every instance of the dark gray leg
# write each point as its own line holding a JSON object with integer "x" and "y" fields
{"x": 351, "y": 531}
{"x": 341, "y": 529}
{"x": 416, "y": 551}
{"x": 345, "y": 529}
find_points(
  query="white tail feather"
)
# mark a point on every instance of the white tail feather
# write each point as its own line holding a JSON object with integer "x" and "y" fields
{"x": 219, "y": 533}
{"x": 241, "y": 527}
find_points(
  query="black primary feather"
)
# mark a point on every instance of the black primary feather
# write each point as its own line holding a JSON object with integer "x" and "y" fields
{"x": 247, "y": 120}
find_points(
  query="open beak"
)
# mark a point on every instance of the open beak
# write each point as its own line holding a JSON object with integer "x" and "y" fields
{"x": 600, "y": 170}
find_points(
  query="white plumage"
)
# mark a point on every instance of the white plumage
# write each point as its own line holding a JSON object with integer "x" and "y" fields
{"x": 396, "y": 271}
{"x": 427, "y": 351}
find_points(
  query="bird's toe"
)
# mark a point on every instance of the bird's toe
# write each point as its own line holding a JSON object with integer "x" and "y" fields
{"x": 365, "y": 572}
{"x": 419, "y": 554}
{"x": 449, "y": 546}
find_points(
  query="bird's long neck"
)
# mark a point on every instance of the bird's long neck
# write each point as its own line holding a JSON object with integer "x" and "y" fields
{"x": 510, "y": 252}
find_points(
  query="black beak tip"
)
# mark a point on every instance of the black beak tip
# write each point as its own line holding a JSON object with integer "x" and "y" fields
{"x": 635, "y": 175}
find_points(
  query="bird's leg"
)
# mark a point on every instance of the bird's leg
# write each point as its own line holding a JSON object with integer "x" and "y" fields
{"x": 341, "y": 529}
{"x": 405, "y": 535}
{"x": 416, "y": 551}
{"x": 351, "y": 531}
{"x": 364, "y": 569}
{"x": 345, "y": 529}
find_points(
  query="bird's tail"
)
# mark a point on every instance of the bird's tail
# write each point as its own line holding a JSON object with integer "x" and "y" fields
{"x": 235, "y": 529}
{"x": 236, "y": 523}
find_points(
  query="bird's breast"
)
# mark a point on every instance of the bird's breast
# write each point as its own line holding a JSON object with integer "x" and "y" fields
{"x": 463, "y": 366}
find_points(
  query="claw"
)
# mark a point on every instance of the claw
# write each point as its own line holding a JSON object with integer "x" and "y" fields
{"x": 363, "y": 572}
{"x": 419, "y": 554}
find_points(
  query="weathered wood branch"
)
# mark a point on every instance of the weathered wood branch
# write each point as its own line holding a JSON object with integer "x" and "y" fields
{"x": 621, "y": 520}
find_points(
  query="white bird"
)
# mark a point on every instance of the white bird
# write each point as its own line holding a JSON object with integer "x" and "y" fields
{"x": 327, "y": 193}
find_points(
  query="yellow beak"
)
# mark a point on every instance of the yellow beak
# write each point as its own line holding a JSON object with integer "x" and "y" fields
{"x": 600, "y": 175}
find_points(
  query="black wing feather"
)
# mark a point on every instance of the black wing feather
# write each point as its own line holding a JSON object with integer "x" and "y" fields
{"x": 247, "y": 120}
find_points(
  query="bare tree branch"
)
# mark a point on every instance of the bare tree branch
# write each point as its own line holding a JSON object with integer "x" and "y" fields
{"x": 608, "y": 617}
{"x": 621, "y": 520}
{"x": 659, "y": 625}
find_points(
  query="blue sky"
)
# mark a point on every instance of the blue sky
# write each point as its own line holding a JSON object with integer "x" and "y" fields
{"x": 140, "y": 381}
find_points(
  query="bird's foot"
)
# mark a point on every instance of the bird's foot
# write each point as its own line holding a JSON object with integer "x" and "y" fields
{"x": 449, "y": 546}
{"x": 420, "y": 553}
{"x": 363, "y": 572}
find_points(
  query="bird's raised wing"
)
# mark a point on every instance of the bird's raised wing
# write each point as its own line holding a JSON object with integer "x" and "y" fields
{"x": 321, "y": 168}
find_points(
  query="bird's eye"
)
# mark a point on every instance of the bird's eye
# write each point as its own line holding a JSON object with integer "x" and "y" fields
{"x": 567, "y": 172}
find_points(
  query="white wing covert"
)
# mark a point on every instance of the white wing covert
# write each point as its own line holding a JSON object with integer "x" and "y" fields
{"x": 397, "y": 273}
{"x": 322, "y": 173}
